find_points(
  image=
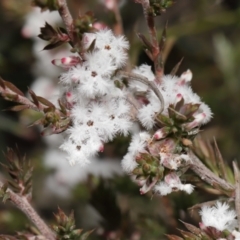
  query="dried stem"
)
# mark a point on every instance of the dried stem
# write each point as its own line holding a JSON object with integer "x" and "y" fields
{"x": 22, "y": 203}
{"x": 67, "y": 18}
{"x": 237, "y": 192}
{"x": 206, "y": 175}
{"x": 145, "y": 81}
{"x": 156, "y": 52}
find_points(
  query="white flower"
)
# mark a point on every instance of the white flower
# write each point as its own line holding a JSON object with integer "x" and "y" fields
{"x": 219, "y": 216}
{"x": 172, "y": 89}
{"x": 172, "y": 183}
{"x": 137, "y": 145}
{"x": 236, "y": 234}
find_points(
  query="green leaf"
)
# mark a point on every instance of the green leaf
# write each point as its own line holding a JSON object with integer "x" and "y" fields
{"x": 86, "y": 235}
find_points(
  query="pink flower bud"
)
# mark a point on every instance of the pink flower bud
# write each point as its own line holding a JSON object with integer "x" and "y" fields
{"x": 100, "y": 26}
{"x": 186, "y": 77}
{"x": 161, "y": 133}
{"x": 198, "y": 120}
{"x": 66, "y": 62}
{"x": 179, "y": 97}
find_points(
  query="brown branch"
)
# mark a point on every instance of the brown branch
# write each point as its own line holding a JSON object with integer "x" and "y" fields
{"x": 144, "y": 80}
{"x": 67, "y": 18}
{"x": 206, "y": 175}
{"x": 22, "y": 203}
{"x": 237, "y": 191}
{"x": 155, "y": 51}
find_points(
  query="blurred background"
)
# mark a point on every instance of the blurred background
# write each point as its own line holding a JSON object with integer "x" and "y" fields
{"x": 205, "y": 33}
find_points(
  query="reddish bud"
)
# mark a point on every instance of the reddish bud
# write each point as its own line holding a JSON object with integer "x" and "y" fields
{"x": 161, "y": 133}
{"x": 198, "y": 119}
{"x": 66, "y": 62}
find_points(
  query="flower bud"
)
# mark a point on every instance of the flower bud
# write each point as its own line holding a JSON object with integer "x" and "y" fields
{"x": 161, "y": 133}
{"x": 186, "y": 77}
{"x": 66, "y": 62}
{"x": 179, "y": 97}
{"x": 198, "y": 119}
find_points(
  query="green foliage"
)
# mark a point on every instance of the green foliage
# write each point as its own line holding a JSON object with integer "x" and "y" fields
{"x": 20, "y": 171}
{"x": 65, "y": 227}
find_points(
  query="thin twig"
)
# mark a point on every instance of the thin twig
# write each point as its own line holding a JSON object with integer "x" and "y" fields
{"x": 206, "y": 175}
{"x": 237, "y": 191}
{"x": 150, "y": 22}
{"x": 22, "y": 203}
{"x": 66, "y": 17}
{"x": 144, "y": 80}
{"x": 155, "y": 51}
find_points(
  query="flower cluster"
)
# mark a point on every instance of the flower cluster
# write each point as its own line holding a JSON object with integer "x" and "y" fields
{"x": 183, "y": 113}
{"x": 99, "y": 109}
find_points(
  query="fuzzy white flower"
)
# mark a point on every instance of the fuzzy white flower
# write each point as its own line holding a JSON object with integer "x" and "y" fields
{"x": 99, "y": 110}
{"x": 137, "y": 145}
{"x": 219, "y": 217}
{"x": 172, "y": 89}
{"x": 172, "y": 183}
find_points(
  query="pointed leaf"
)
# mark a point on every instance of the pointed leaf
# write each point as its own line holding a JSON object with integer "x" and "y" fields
{"x": 188, "y": 235}
{"x": 13, "y": 88}
{"x": 220, "y": 161}
{"x": 145, "y": 41}
{"x": 53, "y": 45}
{"x": 163, "y": 38}
{"x": 62, "y": 107}
{"x": 173, "y": 237}
{"x": 179, "y": 105}
{"x": 34, "y": 97}
{"x": 176, "y": 67}
{"x": 18, "y": 108}
{"x": 2, "y": 83}
{"x": 176, "y": 115}
{"x": 92, "y": 46}
{"x": 45, "y": 102}
{"x": 192, "y": 228}
{"x": 164, "y": 120}
{"x": 86, "y": 235}
{"x": 47, "y": 32}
